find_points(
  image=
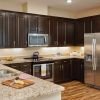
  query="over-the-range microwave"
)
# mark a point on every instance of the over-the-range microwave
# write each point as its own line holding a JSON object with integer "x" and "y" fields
{"x": 35, "y": 39}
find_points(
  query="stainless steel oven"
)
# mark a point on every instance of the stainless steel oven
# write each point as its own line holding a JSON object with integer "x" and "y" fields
{"x": 37, "y": 39}
{"x": 44, "y": 71}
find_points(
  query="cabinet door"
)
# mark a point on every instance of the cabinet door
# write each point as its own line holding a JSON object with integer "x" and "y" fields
{"x": 14, "y": 66}
{"x": 66, "y": 70}
{"x": 32, "y": 24}
{"x": 26, "y": 68}
{"x": 10, "y": 30}
{"x": 2, "y": 30}
{"x": 69, "y": 33}
{"x": 78, "y": 70}
{"x": 87, "y": 25}
{"x": 53, "y": 31}
{"x": 21, "y": 30}
{"x": 61, "y": 32}
{"x": 82, "y": 70}
{"x": 79, "y": 32}
{"x": 58, "y": 73}
{"x": 96, "y": 24}
{"x": 43, "y": 25}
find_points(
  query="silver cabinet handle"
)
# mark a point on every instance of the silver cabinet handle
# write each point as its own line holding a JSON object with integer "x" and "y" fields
{"x": 25, "y": 65}
{"x": 62, "y": 67}
{"x": 94, "y": 54}
{"x": 14, "y": 43}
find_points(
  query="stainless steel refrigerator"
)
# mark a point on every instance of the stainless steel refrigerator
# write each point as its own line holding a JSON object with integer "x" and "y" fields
{"x": 92, "y": 59}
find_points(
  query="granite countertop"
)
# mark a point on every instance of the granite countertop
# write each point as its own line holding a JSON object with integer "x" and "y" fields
{"x": 40, "y": 88}
{"x": 49, "y": 58}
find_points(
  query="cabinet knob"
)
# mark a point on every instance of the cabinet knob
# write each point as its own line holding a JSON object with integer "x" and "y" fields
{"x": 14, "y": 43}
{"x": 64, "y": 42}
{"x": 14, "y": 66}
{"x": 25, "y": 65}
{"x": 56, "y": 62}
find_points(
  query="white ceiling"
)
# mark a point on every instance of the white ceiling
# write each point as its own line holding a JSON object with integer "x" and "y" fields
{"x": 76, "y": 5}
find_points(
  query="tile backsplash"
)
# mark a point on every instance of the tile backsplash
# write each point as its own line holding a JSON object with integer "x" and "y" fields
{"x": 43, "y": 51}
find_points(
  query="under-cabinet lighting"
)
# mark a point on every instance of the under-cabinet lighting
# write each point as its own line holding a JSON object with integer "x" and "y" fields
{"x": 69, "y": 1}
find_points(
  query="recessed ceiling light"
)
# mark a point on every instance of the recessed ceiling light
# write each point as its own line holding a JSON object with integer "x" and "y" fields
{"x": 69, "y": 1}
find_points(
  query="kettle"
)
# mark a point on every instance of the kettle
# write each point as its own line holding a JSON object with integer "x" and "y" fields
{"x": 36, "y": 55}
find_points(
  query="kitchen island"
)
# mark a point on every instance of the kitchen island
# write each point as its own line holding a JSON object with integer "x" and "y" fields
{"x": 41, "y": 90}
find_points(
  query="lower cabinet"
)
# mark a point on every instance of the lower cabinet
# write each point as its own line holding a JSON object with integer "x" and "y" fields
{"x": 77, "y": 69}
{"x": 69, "y": 70}
{"x": 24, "y": 67}
{"x": 62, "y": 71}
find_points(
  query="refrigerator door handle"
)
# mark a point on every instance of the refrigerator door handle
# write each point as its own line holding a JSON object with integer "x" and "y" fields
{"x": 94, "y": 54}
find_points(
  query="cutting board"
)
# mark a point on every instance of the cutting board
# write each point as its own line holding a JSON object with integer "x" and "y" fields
{"x": 11, "y": 83}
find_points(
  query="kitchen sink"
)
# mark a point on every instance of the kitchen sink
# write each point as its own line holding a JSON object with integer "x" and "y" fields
{"x": 7, "y": 73}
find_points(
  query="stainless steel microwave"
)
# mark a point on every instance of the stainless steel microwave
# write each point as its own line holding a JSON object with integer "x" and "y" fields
{"x": 37, "y": 39}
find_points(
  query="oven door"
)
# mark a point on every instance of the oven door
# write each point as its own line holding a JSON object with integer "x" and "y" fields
{"x": 43, "y": 71}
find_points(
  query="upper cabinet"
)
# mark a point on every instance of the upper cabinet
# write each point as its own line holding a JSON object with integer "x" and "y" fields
{"x": 21, "y": 30}
{"x": 13, "y": 30}
{"x": 53, "y": 32}
{"x": 15, "y": 26}
{"x": 11, "y": 35}
{"x": 16, "y": 30}
{"x": 2, "y": 30}
{"x": 43, "y": 24}
{"x": 61, "y": 32}
{"x": 69, "y": 32}
{"x": 87, "y": 24}
{"x": 38, "y": 24}
{"x": 79, "y": 32}
{"x": 96, "y": 24}
{"x": 32, "y": 24}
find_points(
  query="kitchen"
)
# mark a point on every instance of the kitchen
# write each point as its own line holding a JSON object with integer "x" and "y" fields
{"x": 46, "y": 40}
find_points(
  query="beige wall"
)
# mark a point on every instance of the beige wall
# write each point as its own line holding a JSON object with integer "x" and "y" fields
{"x": 60, "y": 13}
{"x": 37, "y": 7}
{"x": 10, "y": 5}
{"x": 40, "y": 8}
{"x": 89, "y": 12}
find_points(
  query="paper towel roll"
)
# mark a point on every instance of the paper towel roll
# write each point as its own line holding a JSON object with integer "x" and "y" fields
{"x": 43, "y": 70}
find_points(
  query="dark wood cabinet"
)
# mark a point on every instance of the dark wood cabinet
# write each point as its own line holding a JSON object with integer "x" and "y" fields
{"x": 96, "y": 24}
{"x": 66, "y": 70}
{"x": 61, "y": 32}
{"x": 32, "y": 24}
{"x": 38, "y": 24}
{"x": 10, "y": 30}
{"x": 53, "y": 32}
{"x": 77, "y": 69}
{"x": 69, "y": 35}
{"x": 21, "y": 30}
{"x": 2, "y": 30}
{"x": 79, "y": 32}
{"x": 87, "y": 24}
{"x": 62, "y": 71}
{"x": 16, "y": 30}
{"x": 43, "y": 24}
{"x": 24, "y": 67}
{"x": 58, "y": 72}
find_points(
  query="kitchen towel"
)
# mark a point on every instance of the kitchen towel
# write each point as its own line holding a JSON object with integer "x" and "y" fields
{"x": 43, "y": 69}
